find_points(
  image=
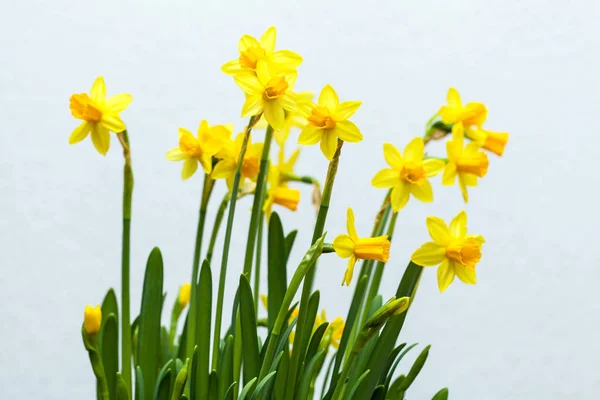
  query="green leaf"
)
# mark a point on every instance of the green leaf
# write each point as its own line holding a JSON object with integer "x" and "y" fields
{"x": 390, "y": 374}
{"x": 121, "y": 388}
{"x": 183, "y": 339}
{"x": 148, "y": 352}
{"x": 110, "y": 353}
{"x": 109, "y": 306}
{"x": 213, "y": 385}
{"x": 249, "y": 338}
{"x": 163, "y": 383}
{"x": 313, "y": 308}
{"x": 165, "y": 353}
{"x": 315, "y": 340}
{"x": 327, "y": 374}
{"x": 281, "y": 377}
{"x": 277, "y": 275}
{"x": 352, "y": 393}
{"x": 268, "y": 389}
{"x": 289, "y": 243}
{"x": 308, "y": 375}
{"x": 226, "y": 367}
{"x": 230, "y": 391}
{"x": 394, "y": 392}
{"x": 139, "y": 384}
{"x": 179, "y": 385}
{"x": 390, "y": 362}
{"x": 203, "y": 316}
{"x": 247, "y": 389}
{"x": 441, "y": 395}
{"x": 415, "y": 369}
{"x": 379, "y": 393}
{"x": 387, "y": 339}
{"x": 262, "y": 383}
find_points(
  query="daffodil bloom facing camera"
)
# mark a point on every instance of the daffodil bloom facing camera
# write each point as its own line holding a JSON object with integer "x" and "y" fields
{"x": 225, "y": 168}
{"x": 474, "y": 113}
{"x": 92, "y": 319}
{"x": 328, "y": 122}
{"x": 456, "y": 252}
{"x": 100, "y": 115}
{"x": 268, "y": 92}
{"x": 199, "y": 150}
{"x": 252, "y": 51}
{"x": 468, "y": 163}
{"x": 408, "y": 173}
{"x": 353, "y": 247}
{"x": 293, "y": 119}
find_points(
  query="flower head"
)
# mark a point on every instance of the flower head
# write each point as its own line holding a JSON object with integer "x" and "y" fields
{"x": 353, "y": 247}
{"x": 473, "y": 113}
{"x": 407, "y": 174}
{"x": 100, "y": 115}
{"x": 280, "y": 193}
{"x": 252, "y": 51}
{"x": 184, "y": 294}
{"x": 467, "y": 163}
{"x": 489, "y": 140}
{"x": 269, "y": 92}
{"x": 199, "y": 150}
{"x": 225, "y": 168}
{"x": 328, "y": 122}
{"x": 452, "y": 249}
{"x": 92, "y": 319}
{"x": 293, "y": 119}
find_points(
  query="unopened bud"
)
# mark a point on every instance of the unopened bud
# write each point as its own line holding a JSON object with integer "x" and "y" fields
{"x": 184, "y": 294}
{"x": 92, "y": 319}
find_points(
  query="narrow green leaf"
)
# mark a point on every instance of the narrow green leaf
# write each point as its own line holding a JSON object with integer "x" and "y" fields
{"x": 121, "y": 388}
{"x": 247, "y": 389}
{"x": 352, "y": 392}
{"x": 249, "y": 338}
{"x": 183, "y": 339}
{"x": 213, "y": 385}
{"x": 148, "y": 352}
{"x": 327, "y": 374}
{"x": 203, "y": 316}
{"x": 226, "y": 367}
{"x": 165, "y": 353}
{"x": 315, "y": 340}
{"x": 313, "y": 308}
{"x": 163, "y": 383}
{"x": 394, "y": 392}
{"x": 281, "y": 377}
{"x": 289, "y": 243}
{"x": 441, "y": 395}
{"x": 415, "y": 369}
{"x": 109, "y": 306}
{"x": 139, "y": 384}
{"x": 390, "y": 362}
{"x": 237, "y": 353}
{"x": 110, "y": 353}
{"x": 180, "y": 381}
{"x": 268, "y": 389}
{"x": 261, "y": 385}
{"x": 284, "y": 340}
{"x": 309, "y": 373}
{"x": 193, "y": 373}
{"x": 379, "y": 393}
{"x": 390, "y": 374}
{"x": 277, "y": 274}
{"x": 230, "y": 391}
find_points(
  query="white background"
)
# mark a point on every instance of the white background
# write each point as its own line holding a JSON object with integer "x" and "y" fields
{"x": 527, "y": 330}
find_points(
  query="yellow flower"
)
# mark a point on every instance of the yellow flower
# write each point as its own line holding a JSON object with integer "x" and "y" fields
{"x": 252, "y": 51}
{"x": 193, "y": 150}
{"x": 489, "y": 140}
{"x": 468, "y": 163}
{"x": 328, "y": 121}
{"x": 92, "y": 319}
{"x": 225, "y": 168}
{"x": 99, "y": 114}
{"x": 452, "y": 249}
{"x": 279, "y": 193}
{"x": 407, "y": 174}
{"x": 184, "y": 294}
{"x": 269, "y": 92}
{"x": 377, "y": 248}
{"x": 472, "y": 114}
{"x": 337, "y": 329}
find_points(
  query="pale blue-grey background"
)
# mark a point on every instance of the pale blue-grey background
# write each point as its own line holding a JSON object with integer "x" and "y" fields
{"x": 527, "y": 330}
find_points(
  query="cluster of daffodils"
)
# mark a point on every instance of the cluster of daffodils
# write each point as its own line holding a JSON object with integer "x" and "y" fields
{"x": 283, "y": 354}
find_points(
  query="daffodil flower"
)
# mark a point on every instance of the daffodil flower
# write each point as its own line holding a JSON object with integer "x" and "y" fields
{"x": 407, "y": 174}
{"x": 473, "y": 113}
{"x": 279, "y": 193}
{"x": 92, "y": 319}
{"x": 452, "y": 249}
{"x": 100, "y": 115}
{"x": 489, "y": 140}
{"x": 252, "y": 51}
{"x": 467, "y": 163}
{"x": 199, "y": 150}
{"x": 268, "y": 92}
{"x": 328, "y": 121}
{"x": 293, "y": 119}
{"x": 225, "y": 168}
{"x": 353, "y": 247}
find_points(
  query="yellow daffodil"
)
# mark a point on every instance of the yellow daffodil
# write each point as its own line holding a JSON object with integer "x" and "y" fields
{"x": 92, "y": 319}
{"x": 328, "y": 121}
{"x": 100, "y": 115}
{"x": 489, "y": 140}
{"x": 408, "y": 174}
{"x": 452, "y": 249}
{"x": 293, "y": 119}
{"x": 252, "y": 51}
{"x": 280, "y": 193}
{"x": 377, "y": 248}
{"x": 193, "y": 150}
{"x": 337, "y": 329}
{"x": 184, "y": 294}
{"x": 473, "y": 113}
{"x": 268, "y": 92}
{"x": 225, "y": 168}
{"x": 467, "y": 163}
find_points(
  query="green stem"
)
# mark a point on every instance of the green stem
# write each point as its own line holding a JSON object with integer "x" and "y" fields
{"x": 304, "y": 179}
{"x": 257, "y": 205}
{"x": 207, "y": 187}
{"x": 217, "y": 225}
{"x": 258, "y": 257}
{"x": 297, "y": 352}
{"x": 227, "y": 243}
{"x": 341, "y": 383}
{"x": 125, "y": 257}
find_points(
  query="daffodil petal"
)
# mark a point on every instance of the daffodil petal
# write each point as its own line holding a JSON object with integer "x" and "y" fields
{"x": 392, "y": 156}
{"x": 386, "y": 178}
{"x": 190, "y": 165}
{"x": 287, "y": 102}
{"x": 350, "y": 225}
{"x": 400, "y": 195}
{"x": 478, "y": 238}
{"x": 433, "y": 166}
{"x": 449, "y": 175}
{"x": 466, "y": 275}
{"x": 438, "y": 230}
{"x": 310, "y": 135}
{"x": 80, "y": 132}
{"x": 232, "y": 67}
{"x": 429, "y": 254}
{"x": 463, "y": 188}
{"x": 112, "y": 122}
{"x": 206, "y": 162}
{"x": 98, "y": 90}
{"x": 274, "y": 114}
{"x": 329, "y": 142}
{"x": 176, "y": 155}
{"x": 329, "y": 98}
{"x": 100, "y": 138}
{"x": 458, "y": 225}
{"x": 287, "y": 59}
{"x": 267, "y": 40}
{"x": 348, "y": 132}
{"x": 415, "y": 150}
{"x": 343, "y": 246}
{"x": 118, "y": 103}
{"x": 223, "y": 169}
{"x": 453, "y": 98}
{"x": 445, "y": 274}
{"x": 349, "y": 271}
{"x": 422, "y": 191}
{"x": 252, "y": 106}
{"x": 249, "y": 84}
{"x": 345, "y": 110}
{"x": 247, "y": 41}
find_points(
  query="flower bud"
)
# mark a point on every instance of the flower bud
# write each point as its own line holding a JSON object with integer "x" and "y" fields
{"x": 184, "y": 294}
{"x": 92, "y": 319}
